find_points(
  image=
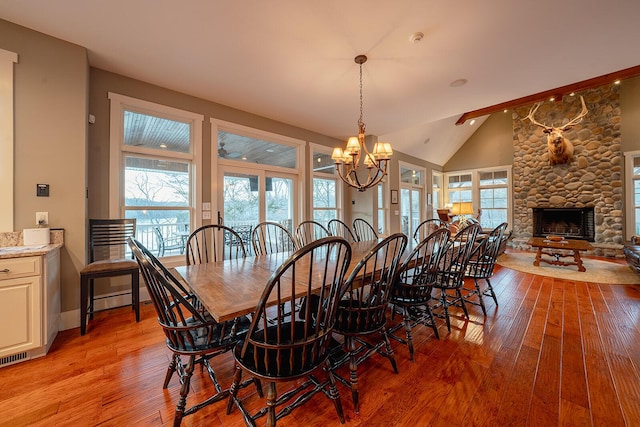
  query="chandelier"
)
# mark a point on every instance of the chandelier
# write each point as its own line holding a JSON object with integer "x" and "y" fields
{"x": 348, "y": 160}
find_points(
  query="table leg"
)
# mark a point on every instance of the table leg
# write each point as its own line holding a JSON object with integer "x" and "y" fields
{"x": 536, "y": 262}
{"x": 578, "y": 260}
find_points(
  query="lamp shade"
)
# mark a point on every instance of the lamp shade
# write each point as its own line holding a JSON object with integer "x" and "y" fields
{"x": 462, "y": 208}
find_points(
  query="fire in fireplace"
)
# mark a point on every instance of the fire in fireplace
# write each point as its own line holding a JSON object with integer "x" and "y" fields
{"x": 572, "y": 223}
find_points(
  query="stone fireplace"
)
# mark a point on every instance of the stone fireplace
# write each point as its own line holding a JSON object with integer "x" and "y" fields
{"x": 593, "y": 179}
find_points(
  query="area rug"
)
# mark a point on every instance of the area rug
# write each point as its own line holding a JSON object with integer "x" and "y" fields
{"x": 597, "y": 271}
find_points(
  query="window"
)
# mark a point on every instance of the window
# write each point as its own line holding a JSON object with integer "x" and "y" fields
{"x": 437, "y": 201}
{"x": 381, "y": 208}
{"x": 411, "y": 197}
{"x": 154, "y": 157}
{"x": 258, "y": 177}
{"x": 485, "y": 189}
{"x": 460, "y": 188}
{"x": 494, "y": 198}
{"x": 632, "y": 171}
{"x": 326, "y": 185}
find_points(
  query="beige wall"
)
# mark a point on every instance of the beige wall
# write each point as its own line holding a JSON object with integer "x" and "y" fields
{"x": 630, "y": 111}
{"x": 490, "y": 145}
{"x": 51, "y": 86}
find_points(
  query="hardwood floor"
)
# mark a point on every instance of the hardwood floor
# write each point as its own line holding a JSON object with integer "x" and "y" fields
{"x": 553, "y": 353}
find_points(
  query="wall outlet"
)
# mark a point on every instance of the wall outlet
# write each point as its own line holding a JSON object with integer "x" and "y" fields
{"x": 42, "y": 218}
{"x": 206, "y": 215}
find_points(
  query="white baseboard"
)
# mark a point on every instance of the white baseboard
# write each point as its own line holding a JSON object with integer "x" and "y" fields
{"x": 71, "y": 319}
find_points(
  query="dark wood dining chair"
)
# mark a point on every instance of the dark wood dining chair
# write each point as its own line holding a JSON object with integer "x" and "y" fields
{"x": 107, "y": 258}
{"x": 339, "y": 228}
{"x": 427, "y": 227}
{"x": 451, "y": 271}
{"x": 363, "y": 230}
{"x": 214, "y": 242}
{"x": 412, "y": 292}
{"x": 362, "y": 311}
{"x": 481, "y": 265}
{"x": 309, "y": 231}
{"x": 269, "y": 237}
{"x": 291, "y": 346}
{"x": 189, "y": 332}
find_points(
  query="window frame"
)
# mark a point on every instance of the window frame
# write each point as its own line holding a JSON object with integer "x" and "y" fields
{"x": 630, "y": 208}
{"x": 475, "y": 188}
{"x": 323, "y": 149}
{"x": 421, "y": 187}
{"x": 7, "y": 61}
{"x": 118, "y": 151}
{"x": 218, "y": 165}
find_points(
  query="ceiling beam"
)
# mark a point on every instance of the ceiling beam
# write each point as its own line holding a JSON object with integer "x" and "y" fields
{"x": 556, "y": 93}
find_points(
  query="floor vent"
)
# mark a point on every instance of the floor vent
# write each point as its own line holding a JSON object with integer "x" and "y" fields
{"x": 14, "y": 358}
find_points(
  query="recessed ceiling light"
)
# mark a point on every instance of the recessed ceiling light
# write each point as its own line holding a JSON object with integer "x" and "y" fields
{"x": 244, "y": 158}
{"x": 552, "y": 99}
{"x": 269, "y": 150}
{"x": 416, "y": 37}
{"x": 505, "y": 110}
{"x": 163, "y": 145}
{"x": 572, "y": 94}
{"x": 458, "y": 83}
{"x": 472, "y": 122}
{"x": 617, "y": 82}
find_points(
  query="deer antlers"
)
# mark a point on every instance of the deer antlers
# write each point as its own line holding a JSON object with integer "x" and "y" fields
{"x": 570, "y": 123}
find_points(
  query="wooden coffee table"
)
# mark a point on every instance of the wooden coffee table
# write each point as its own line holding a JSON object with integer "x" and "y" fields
{"x": 562, "y": 249}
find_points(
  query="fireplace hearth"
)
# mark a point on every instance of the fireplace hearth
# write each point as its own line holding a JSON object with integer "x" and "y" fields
{"x": 572, "y": 223}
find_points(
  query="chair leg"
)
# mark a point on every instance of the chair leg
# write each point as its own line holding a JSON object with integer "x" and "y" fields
{"x": 233, "y": 391}
{"x": 333, "y": 392}
{"x": 353, "y": 376}
{"x": 445, "y": 307}
{"x": 388, "y": 350}
{"x": 271, "y": 404}
{"x": 462, "y": 304}
{"x": 491, "y": 292}
{"x": 184, "y": 391}
{"x": 432, "y": 321}
{"x": 479, "y": 292}
{"x": 171, "y": 369}
{"x": 135, "y": 293}
{"x": 91, "y": 308}
{"x": 407, "y": 330}
{"x": 84, "y": 295}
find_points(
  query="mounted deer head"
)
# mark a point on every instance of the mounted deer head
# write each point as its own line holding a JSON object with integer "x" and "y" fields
{"x": 560, "y": 148}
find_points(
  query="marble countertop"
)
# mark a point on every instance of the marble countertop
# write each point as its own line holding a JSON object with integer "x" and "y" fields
{"x": 25, "y": 251}
{"x": 11, "y": 245}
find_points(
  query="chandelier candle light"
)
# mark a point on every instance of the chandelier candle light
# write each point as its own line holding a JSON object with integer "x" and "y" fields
{"x": 348, "y": 160}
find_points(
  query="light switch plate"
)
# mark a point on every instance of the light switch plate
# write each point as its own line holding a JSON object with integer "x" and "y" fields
{"x": 42, "y": 218}
{"x": 206, "y": 215}
{"x": 206, "y": 206}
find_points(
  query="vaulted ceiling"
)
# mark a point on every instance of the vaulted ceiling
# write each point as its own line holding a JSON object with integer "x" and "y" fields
{"x": 293, "y": 61}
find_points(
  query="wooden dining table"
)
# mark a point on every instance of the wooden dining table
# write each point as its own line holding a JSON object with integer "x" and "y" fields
{"x": 232, "y": 288}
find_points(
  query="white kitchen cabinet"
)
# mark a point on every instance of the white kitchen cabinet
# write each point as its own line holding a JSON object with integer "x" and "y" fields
{"x": 30, "y": 305}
